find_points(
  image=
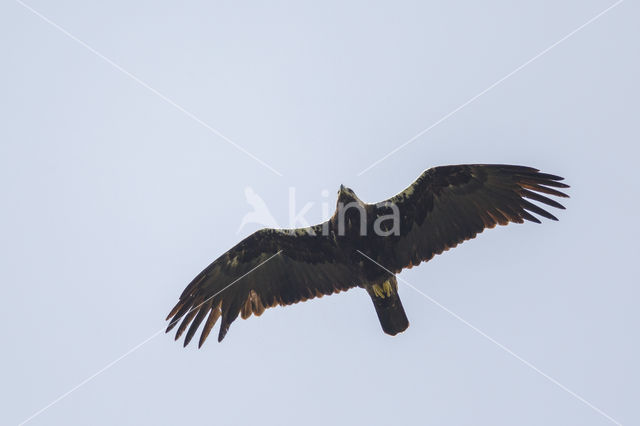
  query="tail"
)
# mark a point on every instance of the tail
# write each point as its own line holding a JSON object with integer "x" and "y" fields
{"x": 388, "y": 306}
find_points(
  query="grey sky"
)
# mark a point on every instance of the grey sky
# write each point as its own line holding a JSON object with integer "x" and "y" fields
{"x": 113, "y": 199}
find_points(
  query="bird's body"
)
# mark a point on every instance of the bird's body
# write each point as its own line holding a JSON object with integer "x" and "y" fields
{"x": 362, "y": 245}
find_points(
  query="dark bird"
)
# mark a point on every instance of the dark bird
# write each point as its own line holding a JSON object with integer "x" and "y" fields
{"x": 442, "y": 208}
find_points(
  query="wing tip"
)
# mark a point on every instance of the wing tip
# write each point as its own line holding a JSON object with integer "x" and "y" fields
{"x": 171, "y": 325}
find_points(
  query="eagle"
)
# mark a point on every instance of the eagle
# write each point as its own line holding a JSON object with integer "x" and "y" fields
{"x": 362, "y": 245}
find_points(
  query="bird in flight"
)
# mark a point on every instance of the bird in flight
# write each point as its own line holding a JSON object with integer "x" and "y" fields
{"x": 362, "y": 245}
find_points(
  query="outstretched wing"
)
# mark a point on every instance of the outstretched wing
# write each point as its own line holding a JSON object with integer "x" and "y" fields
{"x": 268, "y": 268}
{"x": 448, "y": 205}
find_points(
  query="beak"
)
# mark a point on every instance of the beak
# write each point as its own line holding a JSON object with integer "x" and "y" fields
{"x": 341, "y": 187}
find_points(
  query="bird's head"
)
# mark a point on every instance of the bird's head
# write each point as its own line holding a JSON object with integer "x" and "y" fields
{"x": 351, "y": 213}
{"x": 346, "y": 195}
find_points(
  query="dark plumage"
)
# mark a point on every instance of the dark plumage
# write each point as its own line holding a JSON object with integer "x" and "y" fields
{"x": 442, "y": 208}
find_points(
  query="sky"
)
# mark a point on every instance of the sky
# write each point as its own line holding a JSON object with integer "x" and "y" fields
{"x": 132, "y": 130}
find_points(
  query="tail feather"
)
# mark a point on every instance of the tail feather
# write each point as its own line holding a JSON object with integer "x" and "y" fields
{"x": 389, "y": 307}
